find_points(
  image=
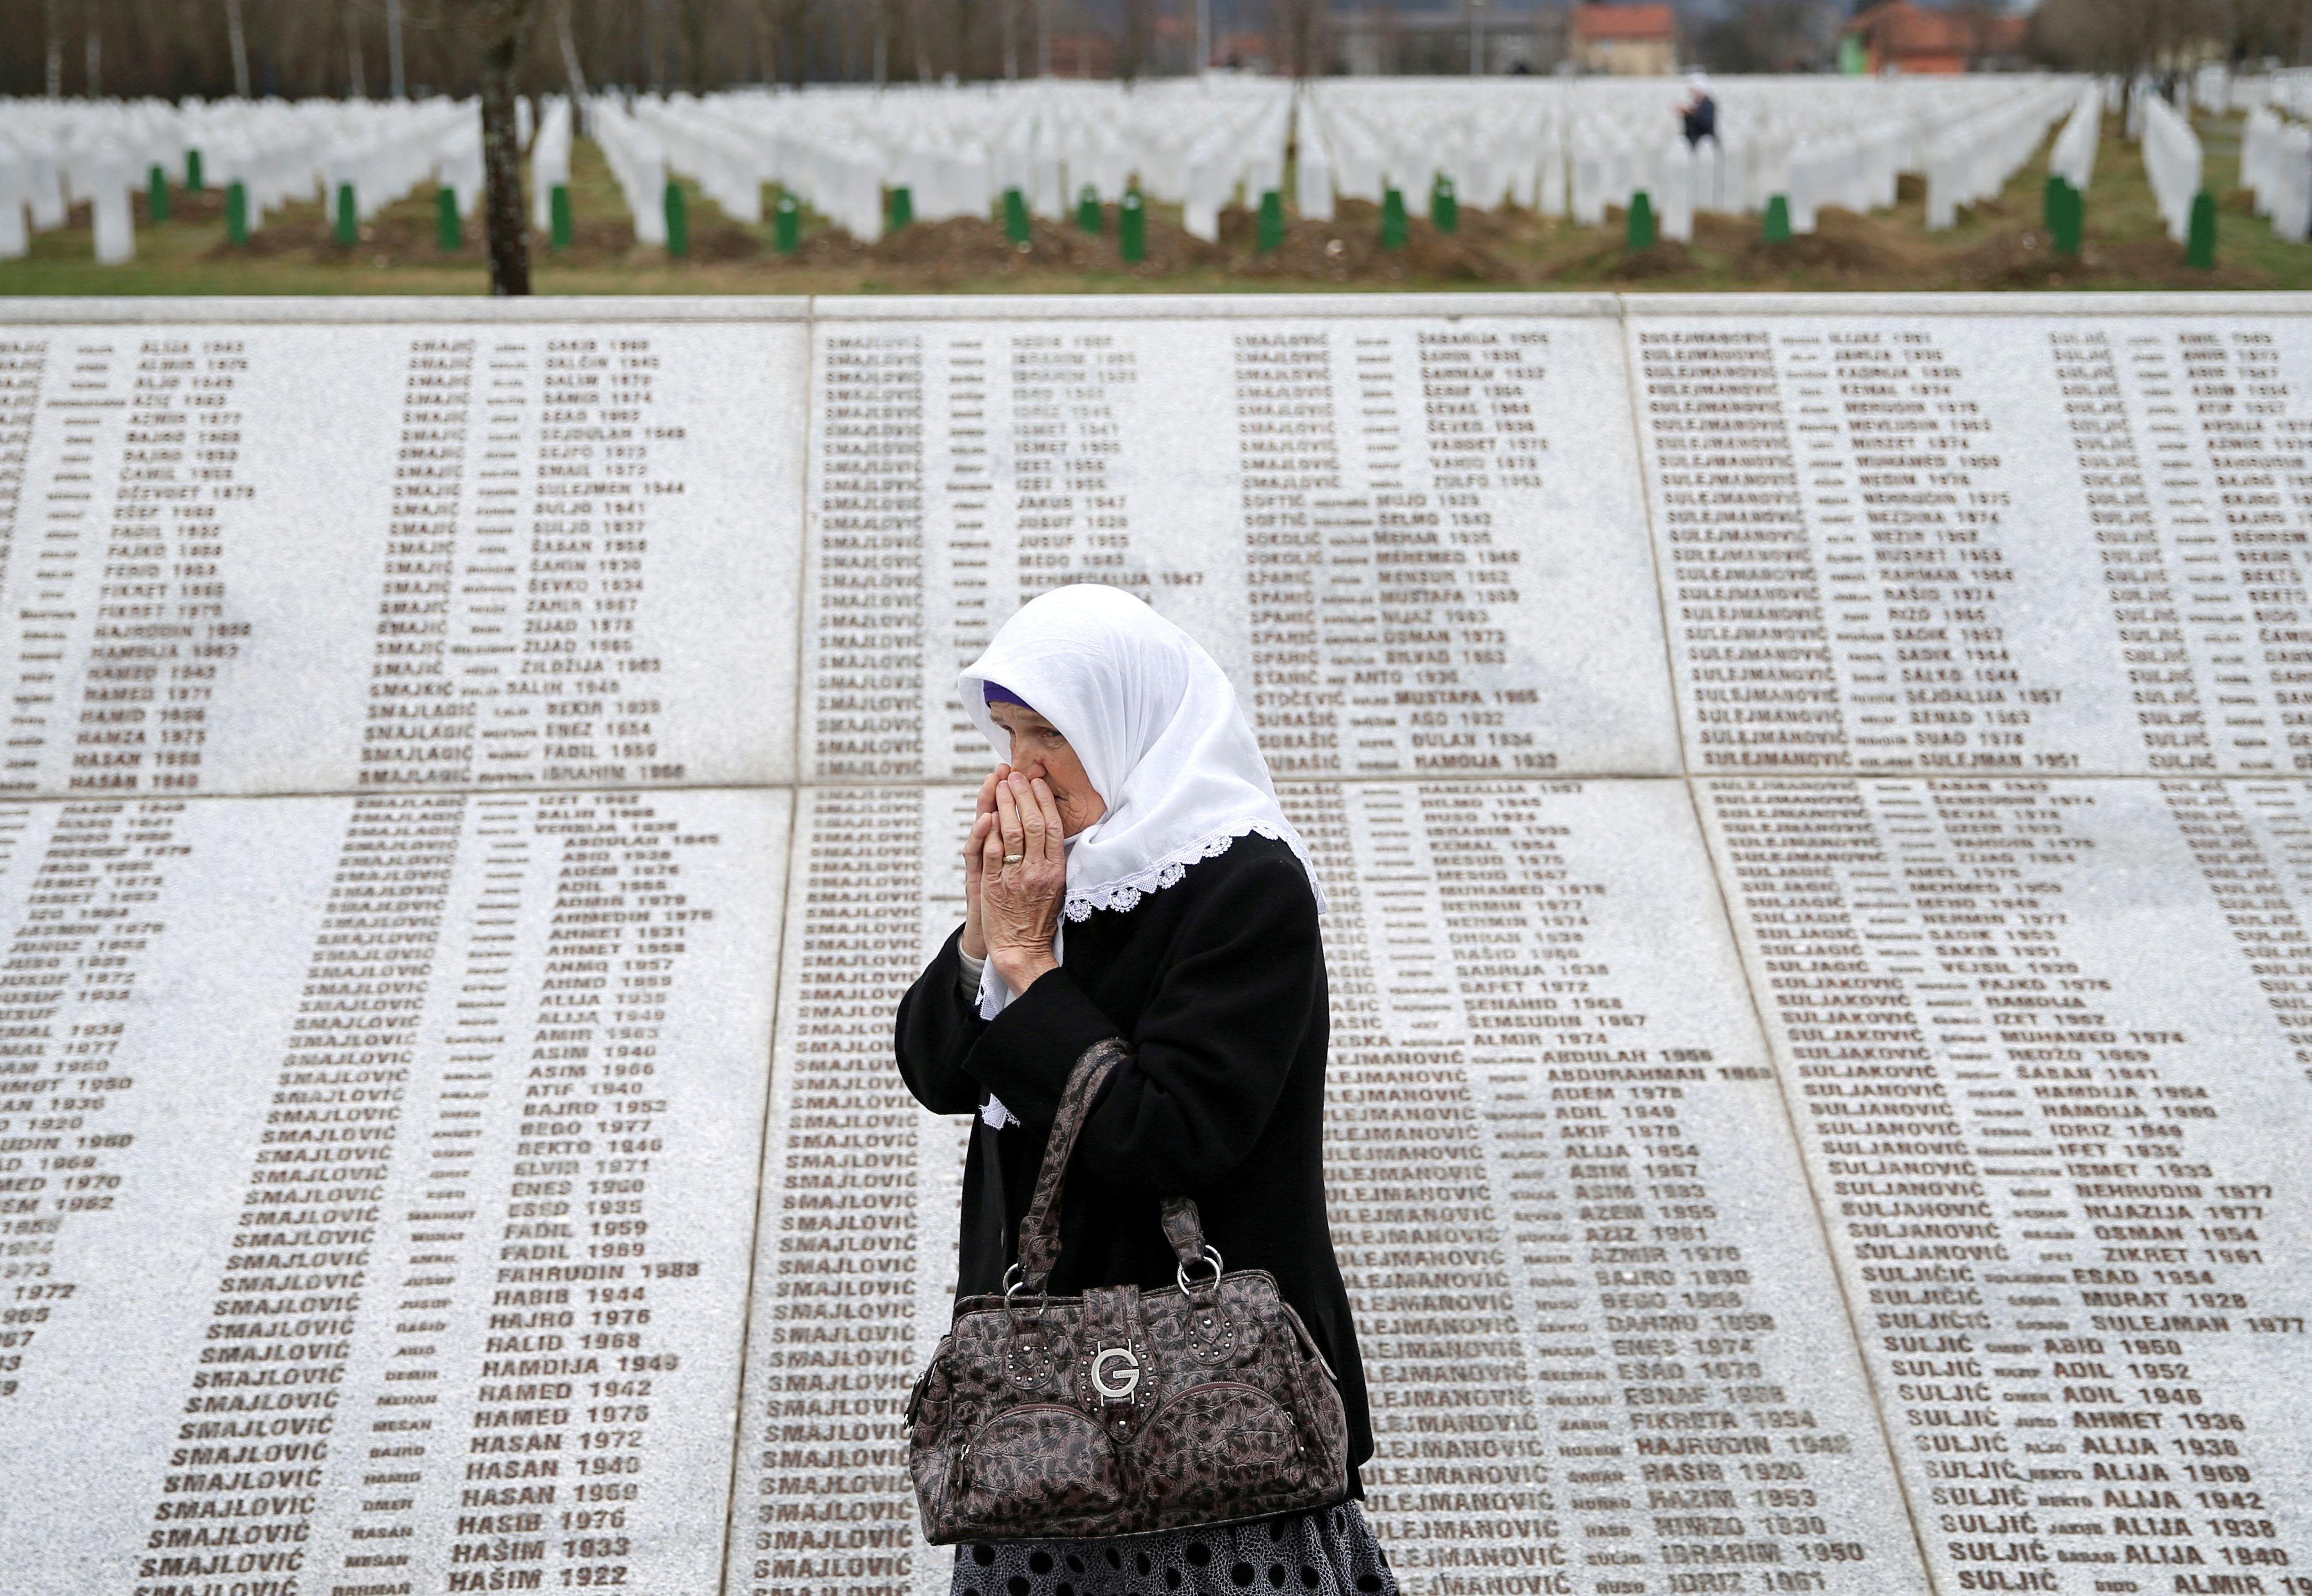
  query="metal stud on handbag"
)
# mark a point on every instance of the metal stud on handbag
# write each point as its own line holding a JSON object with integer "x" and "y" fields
{"x": 1121, "y": 1411}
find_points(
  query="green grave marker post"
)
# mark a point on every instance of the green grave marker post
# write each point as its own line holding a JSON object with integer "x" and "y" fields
{"x": 1444, "y": 205}
{"x": 2071, "y": 221}
{"x": 903, "y": 206}
{"x": 236, "y": 214}
{"x": 192, "y": 180}
{"x": 678, "y": 222}
{"x": 156, "y": 193}
{"x": 786, "y": 224}
{"x": 2200, "y": 248}
{"x": 448, "y": 232}
{"x": 348, "y": 216}
{"x": 1016, "y": 226}
{"x": 1087, "y": 210}
{"x": 1778, "y": 219}
{"x": 1642, "y": 230}
{"x": 1271, "y": 221}
{"x": 1392, "y": 218}
{"x": 1132, "y": 227}
{"x": 565, "y": 224}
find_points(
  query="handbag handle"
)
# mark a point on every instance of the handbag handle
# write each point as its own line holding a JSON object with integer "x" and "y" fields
{"x": 1039, "y": 1227}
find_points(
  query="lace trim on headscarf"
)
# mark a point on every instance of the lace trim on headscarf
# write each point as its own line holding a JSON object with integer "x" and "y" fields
{"x": 1123, "y": 894}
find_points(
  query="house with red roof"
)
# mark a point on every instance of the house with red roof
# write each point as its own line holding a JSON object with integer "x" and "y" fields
{"x": 1632, "y": 40}
{"x": 1899, "y": 36}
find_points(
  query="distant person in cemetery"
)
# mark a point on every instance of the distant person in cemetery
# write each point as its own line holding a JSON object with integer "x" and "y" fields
{"x": 1698, "y": 113}
{"x": 1130, "y": 874}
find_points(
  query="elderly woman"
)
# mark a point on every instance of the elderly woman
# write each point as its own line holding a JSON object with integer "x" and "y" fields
{"x": 1130, "y": 876}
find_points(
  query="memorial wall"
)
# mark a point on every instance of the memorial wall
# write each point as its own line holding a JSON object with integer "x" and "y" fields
{"x": 1811, "y": 793}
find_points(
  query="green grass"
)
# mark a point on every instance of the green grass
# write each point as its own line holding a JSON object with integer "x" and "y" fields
{"x": 1998, "y": 244}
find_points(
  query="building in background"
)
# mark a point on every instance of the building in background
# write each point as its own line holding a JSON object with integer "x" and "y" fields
{"x": 1898, "y": 36}
{"x": 1637, "y": 40}
{"x": 1376, "y": 38}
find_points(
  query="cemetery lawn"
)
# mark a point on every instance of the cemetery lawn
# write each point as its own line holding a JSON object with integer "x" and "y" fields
{"x": 1998, "y": 244}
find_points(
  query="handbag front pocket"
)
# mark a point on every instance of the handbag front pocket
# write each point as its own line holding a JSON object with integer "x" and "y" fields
{"x": 1037, "y": 1465}
{"x": 1219, "y": 1444}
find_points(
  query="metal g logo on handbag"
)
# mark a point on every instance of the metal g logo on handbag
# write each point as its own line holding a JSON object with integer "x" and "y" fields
{"x": 1121, "y": 1410}
{"x": 1114, "y": 1374}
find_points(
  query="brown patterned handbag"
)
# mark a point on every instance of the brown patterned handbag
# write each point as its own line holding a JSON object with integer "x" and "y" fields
{"x": 1120, "y": 1411}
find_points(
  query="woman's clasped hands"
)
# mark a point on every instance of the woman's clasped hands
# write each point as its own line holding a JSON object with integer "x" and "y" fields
{"x": 1015, "y": 874}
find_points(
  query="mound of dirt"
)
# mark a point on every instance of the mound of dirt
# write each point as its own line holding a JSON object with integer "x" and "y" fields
{"x": 1347, "y": 249}
{"x": 2018, "y": 258}
{"x": 594, "y": 241}
{"x": 724, "y": 241}
{"x": 281, "y": 236}
{"x": 1814, "y": 254}
{"x": 1664, "y": 257}
{"x": 207, "y": 205}
{"x": 941, "y": 253}
{"x": 2162, "y": 260}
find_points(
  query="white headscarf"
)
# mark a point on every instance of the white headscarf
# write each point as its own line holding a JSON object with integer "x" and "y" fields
{"x": 1162, "y": 740}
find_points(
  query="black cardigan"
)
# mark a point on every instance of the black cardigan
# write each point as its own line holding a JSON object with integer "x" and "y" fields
{"x": 1218, "y": 981}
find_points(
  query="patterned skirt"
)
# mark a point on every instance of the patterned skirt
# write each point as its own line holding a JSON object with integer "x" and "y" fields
{"x": 1328, "y": 1550}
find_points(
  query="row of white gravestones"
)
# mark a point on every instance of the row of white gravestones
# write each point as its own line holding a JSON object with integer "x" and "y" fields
{"x": 2172, "y": 162}
{"x": 2276, "y": 167}
{"x": 1196, "y": 143}
{"x": 1813, "y": 798}
{"x": 1580, "y": 147}
{"x": 2074, "y": 156}
{"x": 550, "y": 160}
{"x": 2289, "y": 92}
{"x": 56, "y": 154}
{"x": 1566, "y": 148}
{"x": 1574, "y": 147}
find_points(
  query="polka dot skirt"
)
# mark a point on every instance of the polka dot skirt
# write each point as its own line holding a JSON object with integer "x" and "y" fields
{"x": 1328, "y": 1550}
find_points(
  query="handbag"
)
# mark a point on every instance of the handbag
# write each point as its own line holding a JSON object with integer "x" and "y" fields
{"x": 1122, "y": 1410}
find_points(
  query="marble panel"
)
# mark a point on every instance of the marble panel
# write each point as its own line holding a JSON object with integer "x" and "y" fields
{"x": 1952, "y": 539}
{"x": 1416, "y": 543}
{"x": 377, "y": 556}
{"x": 1605, "y": 1349}
{"x": 2047, "y": 1045}
{"x": 376, "y": 1181}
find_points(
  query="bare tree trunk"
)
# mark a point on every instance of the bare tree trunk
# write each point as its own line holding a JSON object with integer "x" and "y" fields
{"x": 508, "y": 224}
{"x": 656, "y": 14}
{"x": 1132, "y": 54}
{"x": 354, "y": 69}
{"x": 696, "y": 55}
{"x": 240, "y": 42}
{"x": 93, "y": 64}
{"x": 882, "y": 42}
{"x": 1011, "y": 40}
{"x": 400, "y": 87}
{"x": 570, "y": 65}
{"x": 55, "y": 78}
{"x": 922, "y": 36}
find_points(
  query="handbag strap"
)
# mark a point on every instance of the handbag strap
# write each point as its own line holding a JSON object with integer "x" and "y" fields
{"x": 1039, "y": 1227}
